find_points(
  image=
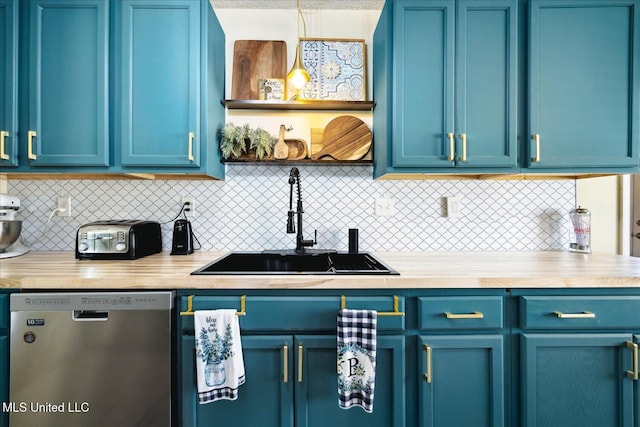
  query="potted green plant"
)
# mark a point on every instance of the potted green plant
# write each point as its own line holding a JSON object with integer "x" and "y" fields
{"x": 242, "y": 141}
{"x": 262, "y": 142}
{"x": 233, "y": 140}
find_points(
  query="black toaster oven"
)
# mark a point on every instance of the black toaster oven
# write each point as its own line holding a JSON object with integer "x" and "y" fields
{"x": 118, "y": 239}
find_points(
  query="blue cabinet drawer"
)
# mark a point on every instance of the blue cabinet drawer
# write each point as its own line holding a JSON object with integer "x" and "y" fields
{"x": 295, "y": 313}
{"x": 460, "y": 312}
{"x": 572, "y": 312}
{"x": 4, "y": 311}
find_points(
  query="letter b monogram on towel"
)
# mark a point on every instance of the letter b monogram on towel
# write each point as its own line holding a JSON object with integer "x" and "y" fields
{"x": 353, "y": 362}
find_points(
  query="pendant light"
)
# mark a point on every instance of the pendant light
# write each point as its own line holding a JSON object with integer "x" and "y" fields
{"x": 298, "y": 76}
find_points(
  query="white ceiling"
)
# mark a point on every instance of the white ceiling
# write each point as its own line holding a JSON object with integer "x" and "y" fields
{"x": 304, "y": 4}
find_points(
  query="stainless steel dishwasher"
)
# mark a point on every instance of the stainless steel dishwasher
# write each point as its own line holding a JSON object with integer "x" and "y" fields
{"x": 91, "y": 359}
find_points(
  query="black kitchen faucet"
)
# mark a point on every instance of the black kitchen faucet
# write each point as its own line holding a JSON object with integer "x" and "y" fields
{"x": 301, "y": 244}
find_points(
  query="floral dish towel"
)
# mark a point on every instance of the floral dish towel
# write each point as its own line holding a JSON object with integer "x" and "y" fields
{"x": 356, "y": 358}
{"x": 219, "y": 362}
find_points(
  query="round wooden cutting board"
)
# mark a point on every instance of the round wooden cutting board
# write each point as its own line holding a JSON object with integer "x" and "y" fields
{"x": 345, "y": 138}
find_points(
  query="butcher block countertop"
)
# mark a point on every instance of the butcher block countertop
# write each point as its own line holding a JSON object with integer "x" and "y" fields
{"x": 471, "y": 270}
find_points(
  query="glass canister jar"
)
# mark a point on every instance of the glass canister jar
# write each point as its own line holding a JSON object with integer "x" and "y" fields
{"x": 580, "y": 235}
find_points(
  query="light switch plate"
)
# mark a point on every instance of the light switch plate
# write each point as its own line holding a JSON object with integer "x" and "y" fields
{"x": 453, "y": 207}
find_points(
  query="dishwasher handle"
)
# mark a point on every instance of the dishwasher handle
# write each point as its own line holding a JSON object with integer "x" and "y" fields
{"x": 90, "y": 315}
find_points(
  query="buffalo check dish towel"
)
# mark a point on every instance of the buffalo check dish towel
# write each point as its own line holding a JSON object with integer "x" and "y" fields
{"x": 356, "y": 358}
{"x": 219, "y": 362}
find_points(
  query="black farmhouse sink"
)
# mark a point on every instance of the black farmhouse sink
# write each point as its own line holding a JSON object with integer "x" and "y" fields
{"x": 288, "y": 262}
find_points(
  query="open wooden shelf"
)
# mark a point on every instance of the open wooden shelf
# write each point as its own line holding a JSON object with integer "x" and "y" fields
{"x": 328, "y": 162}
{"x": 235, "y": 104}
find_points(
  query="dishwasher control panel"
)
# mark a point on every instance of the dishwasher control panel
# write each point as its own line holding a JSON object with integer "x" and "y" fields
{"x": 80, "y": 301}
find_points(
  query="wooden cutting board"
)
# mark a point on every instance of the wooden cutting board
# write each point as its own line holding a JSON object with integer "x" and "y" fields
{"x": 254, "y": 60}
{"x": 345, "y": 138}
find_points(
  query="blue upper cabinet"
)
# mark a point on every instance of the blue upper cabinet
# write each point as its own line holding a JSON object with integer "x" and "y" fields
{"x": 160, "y": 81}
{"x": 169, "y": 81}
{"x": 423, "y": 40}
{"x": 68, "y": 85}
{"x": 583, "y": 84}
{"x": 131, "y": 86}
{"x": 8, "y": 83}
{"x": 486, "y": 82}
{"x": 445, "y": 80}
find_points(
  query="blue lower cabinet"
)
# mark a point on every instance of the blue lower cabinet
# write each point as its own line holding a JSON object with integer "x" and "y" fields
{"x": 316, "y": 398}
{"x": 577, "y": 380}
{"x": 462, "y": 381}
{"x": 291, "y": 381}
{"x": 264, "y": 400}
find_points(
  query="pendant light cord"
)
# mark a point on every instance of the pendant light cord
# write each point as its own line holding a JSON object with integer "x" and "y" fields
{"x": 304, "y": 24}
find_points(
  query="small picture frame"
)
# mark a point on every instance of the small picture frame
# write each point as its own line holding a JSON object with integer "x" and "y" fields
{"x": 337, "y": 68}
{"x": 271, "y": 89}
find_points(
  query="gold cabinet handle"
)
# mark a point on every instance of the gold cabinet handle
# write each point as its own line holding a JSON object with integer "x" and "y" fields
{"x": 474, "y": 315}
{"x": 583, "y": 315}
{"x": 452, "y": 147}
{"x": 427, "y": 375}
{"x": 3, "y": 155}
{"x": 192, "y": 136}
{"x": 300, "y": 363}
{"x": 463, "y": 137}
{"x": 30, "y": 135}
{"x": 536, "y": 138}
{"x": 633, "y": 375}
{"x": 285, "y": 363}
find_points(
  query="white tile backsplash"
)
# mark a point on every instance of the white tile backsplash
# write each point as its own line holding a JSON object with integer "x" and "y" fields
{"x": 248, "y": 211}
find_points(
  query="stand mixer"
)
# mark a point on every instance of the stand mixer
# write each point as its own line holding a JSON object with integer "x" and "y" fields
{"x": 10, "y": 228}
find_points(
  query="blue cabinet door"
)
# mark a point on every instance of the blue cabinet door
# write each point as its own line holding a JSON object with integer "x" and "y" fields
{"x": 583, "y": 83}
{"x": 576, "y": 380}
{"x": 159, "y": 75}
{"x": 266, "y": 398}
{"x": 462, "y": 381}
{"x": 8, "y": 83}
{"x": 68, "y": 83}
{"x": 316, "y": 396}
{"x": 446, "y": 48}
{"x": 423, "y": 61}
{"x": 486, "y": 83}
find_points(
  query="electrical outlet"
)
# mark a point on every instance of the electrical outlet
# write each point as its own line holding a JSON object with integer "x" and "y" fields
{"x": 190, "y": 210}
{"x": 385, "y": 206}
{"x": 64, "y": 203}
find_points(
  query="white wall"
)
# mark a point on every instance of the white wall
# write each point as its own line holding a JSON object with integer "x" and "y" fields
{"x": 602, "y": 196}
